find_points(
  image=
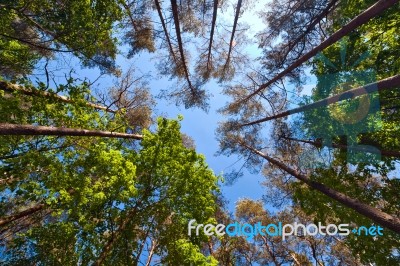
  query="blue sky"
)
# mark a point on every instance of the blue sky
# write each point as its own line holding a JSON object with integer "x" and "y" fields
{"x": 199, "y": 125}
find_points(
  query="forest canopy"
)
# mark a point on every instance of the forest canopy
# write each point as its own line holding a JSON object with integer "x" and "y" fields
{"x": 98, "y": 174}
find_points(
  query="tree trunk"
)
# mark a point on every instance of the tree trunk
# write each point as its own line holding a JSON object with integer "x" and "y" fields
{"x": 228, "y": 58}
{"x": 214, "y": 19}
{"x": 175, "y": 14}
{"x": 376, "y": 215}
{"x": 319, "y": 144}
{"x": 310, "y": 27}
{"x": 151, "y": 252}
{"x": 29, "y": 211}
{"x": 117, "y": 234}
{"x": 385, "y": 84}
{"x": 17, "y": 129}
{"x": 5, "y": 86}
{"x": 359, "y": 20}
{"x": 171, "y": 50}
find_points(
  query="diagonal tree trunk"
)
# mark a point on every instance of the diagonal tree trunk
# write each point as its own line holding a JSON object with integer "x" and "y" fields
{"x": 9, "y": 87}
{"x": 376, "y": 215}
{"x": 214, "y": 19}
{"x": 385, "y": 84}
{"x": 6, "y": 220}
{"x": 359, "y": 20}
{"x": 151, "y": 252}
{"x": 228, "y": 58}
{"x": 17, "y": 129}
{"x": 175, "y": 14}
{"x": 34, "y": 209}
{"x": 117, "y": 234}
{"x": 319, "y": 144}
{"x": 310, "y": 27}
{"x": 171, "y": 50}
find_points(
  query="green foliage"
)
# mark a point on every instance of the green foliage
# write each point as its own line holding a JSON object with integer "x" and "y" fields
{"x": 32, "y": 29}
{"x": 367, "y": 55}
{"x": 90, "y": 187}
{"x": 377, "y": 191}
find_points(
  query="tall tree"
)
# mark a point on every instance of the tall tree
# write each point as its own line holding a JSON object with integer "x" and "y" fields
{"x": 191, "y": 93}
{"x": 120, "y": 196}
{"x": 300, "y": 25}
{"x": 357, "y": 21}
{"x": 319, "y": 144}
{"x": 16, "y": 129}
{"x": 378, "y": 216}
{"x": 139, "y": 33}
{"x": 9, "y": 87}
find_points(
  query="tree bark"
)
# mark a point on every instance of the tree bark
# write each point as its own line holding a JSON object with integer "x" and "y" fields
{"x": 171, "y": 50}
{"x": 29, "y": 211}
{"x": 175, "y": 15}
{"x": 385, "y": 84}
{"x": 17, "y": 129}
{"x": 359, "y": 20}
{"x": 151, "y": 252}
{"x": 311, "y": 26}
{"x": 376, "y": 215}
{"x": 319, "y": 144}
{"x": 228, "y": 58}
{"x": 110, "y": 243}
{"x": 5, "y": 86}
{"x": 214, "y": 19}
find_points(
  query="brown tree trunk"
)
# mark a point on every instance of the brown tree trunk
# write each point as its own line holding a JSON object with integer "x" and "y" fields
{"x": 171, "y": 50}
{"x": 17, "y": 129}
{"x": 385, "y": 84}
{"x": 175, "y": 14}
{"x": 376, "y": 215}
{"x": 117, "y": 234}
{"x": 228, "y": 58}
{"x": 311, "y": 26}
{"x": 5, "y": 86}
{"x": 359, "y": 20}
{"x": 27, "y": 212}
{"x": 214, "y": 19}
{"x": 319, "y": 144}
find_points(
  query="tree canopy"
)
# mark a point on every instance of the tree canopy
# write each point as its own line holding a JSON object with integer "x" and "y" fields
{"x": 97, "y": 174}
